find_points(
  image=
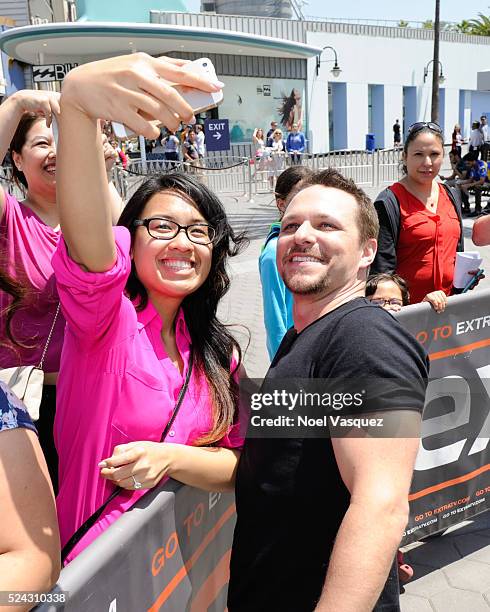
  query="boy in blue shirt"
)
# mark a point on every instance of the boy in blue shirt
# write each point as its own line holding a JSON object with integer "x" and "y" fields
{"x": 276, "y": 299}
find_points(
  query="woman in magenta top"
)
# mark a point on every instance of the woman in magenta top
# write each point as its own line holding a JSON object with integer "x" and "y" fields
{"x": 420, "y": 221}
{"x": 140, "y": 301}
{"x": 29, "y": 234}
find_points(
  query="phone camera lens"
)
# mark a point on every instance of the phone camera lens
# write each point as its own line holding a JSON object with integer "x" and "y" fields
{"x": 205, "y": 65}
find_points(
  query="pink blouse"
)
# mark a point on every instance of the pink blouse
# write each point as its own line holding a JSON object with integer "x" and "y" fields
{"x": 27, "y": 245}
{"x": 116, "y": 385}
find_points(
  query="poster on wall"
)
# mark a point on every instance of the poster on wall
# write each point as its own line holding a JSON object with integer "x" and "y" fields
{"x": 251, "y": 103}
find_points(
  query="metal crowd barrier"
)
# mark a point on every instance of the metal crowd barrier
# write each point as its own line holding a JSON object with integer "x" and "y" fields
{"x": 366, "y": 169}
{"x": 224, "y": 175}
{"x": 242, "y": 175}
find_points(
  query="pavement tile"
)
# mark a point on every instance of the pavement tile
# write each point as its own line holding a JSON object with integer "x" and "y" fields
{"x": 434, "y": 553}
{"x": 426, "y": 584}
{"x": 456, "y": 600}
{"x": 410, "y": 603}
{"x": 468, "y": 575}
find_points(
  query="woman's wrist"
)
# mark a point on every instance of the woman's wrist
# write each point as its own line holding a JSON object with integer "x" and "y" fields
{"x": 16, "y": 103}
{"x": 172, "y": 454}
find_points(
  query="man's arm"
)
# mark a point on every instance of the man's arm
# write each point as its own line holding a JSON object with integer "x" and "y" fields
{"x": 378, "y": 472}
{"x": 481, "y": 231}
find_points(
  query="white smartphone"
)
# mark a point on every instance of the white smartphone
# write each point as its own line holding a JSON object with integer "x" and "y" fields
{"x": 200, "y": 101}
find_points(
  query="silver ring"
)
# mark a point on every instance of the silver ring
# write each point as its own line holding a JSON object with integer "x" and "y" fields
{"x": 136, "y": 484}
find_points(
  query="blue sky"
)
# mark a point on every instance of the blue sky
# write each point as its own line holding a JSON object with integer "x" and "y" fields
{"x": 415, "y": 10}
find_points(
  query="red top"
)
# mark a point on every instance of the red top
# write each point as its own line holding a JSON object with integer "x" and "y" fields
{"x": 426, "y": 249}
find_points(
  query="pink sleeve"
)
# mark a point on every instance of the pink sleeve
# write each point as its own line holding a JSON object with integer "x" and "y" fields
{"x": 93, "y": 301}
{"x": 235, "y": 437}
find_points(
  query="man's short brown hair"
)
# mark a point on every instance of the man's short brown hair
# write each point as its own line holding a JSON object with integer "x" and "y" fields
{"x": 367, "y": 217}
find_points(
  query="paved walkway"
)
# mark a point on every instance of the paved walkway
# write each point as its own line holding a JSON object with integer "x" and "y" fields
{"x": 452, "y": 572}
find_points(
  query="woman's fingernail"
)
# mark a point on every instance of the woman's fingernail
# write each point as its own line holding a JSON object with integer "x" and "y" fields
{"x": 193, "y": 121}
{"x": 102, "y": 464}
{"x": 218, "y": 84}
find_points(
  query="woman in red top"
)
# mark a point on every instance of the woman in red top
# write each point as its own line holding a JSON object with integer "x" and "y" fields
{"x": 420, "y": 221}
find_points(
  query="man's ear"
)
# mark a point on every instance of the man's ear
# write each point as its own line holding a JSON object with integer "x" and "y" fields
{"x": 368, "y": 253}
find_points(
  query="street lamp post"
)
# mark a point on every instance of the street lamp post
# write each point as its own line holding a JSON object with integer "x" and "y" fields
{"x": 441, "y": 77}
{"x": 435, "y": 80}
{"x": 336, "y": 70}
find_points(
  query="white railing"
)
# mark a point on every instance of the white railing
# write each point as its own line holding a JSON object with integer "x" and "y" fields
{"x": 224, "y": 175}
{"x": 244, "y": 176}
{"x": 227, "y": 175}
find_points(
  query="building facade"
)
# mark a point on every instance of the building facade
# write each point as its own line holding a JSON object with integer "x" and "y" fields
{"x": 381, "y": 79}
{"x": 385, "y": 73}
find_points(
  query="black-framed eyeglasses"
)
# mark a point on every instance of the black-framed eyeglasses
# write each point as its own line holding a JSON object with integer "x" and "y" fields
{"x": 420, "y": 125}
{"x": 383, "y": 302}
{"x": 164, "y": 229}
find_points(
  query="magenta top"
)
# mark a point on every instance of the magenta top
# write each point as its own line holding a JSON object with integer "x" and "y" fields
{"x": 27, "y": 245}
{"x": 116, "y": 385}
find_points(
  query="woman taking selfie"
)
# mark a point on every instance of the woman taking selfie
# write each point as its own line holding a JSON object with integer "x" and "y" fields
{"x": 147, "y": 385}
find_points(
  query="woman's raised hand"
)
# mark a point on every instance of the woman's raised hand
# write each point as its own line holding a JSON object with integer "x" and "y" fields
{"x": 133, "y": 90}
{"x": 46, "y": 103}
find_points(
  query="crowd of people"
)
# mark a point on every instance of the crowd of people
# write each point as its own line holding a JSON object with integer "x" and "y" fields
{"x": 187, "y": 144}
{"x": 470, "y": 171}
{"x": 271, "y": 151}
{"x": 118, "y": 304}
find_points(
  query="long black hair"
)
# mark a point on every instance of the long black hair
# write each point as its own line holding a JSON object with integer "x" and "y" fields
{"x": 288, "y": 103}
{"x": 213, "y": 346}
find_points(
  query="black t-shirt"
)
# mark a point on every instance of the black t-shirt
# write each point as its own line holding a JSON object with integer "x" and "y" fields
{"x": 396, "y": 130}
{"x": 289, "y": 493}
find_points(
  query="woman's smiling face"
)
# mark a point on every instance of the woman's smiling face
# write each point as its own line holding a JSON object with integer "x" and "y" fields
{"x": 175, "y": 267}
{"x": 424, "y": 157}
{"x": 37, "y": 159}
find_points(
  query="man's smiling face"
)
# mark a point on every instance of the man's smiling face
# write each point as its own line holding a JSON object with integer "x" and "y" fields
{"x": 319, "y": 250}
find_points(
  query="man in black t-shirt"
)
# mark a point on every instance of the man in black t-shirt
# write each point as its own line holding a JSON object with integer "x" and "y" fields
{"x": 320, "y": 519}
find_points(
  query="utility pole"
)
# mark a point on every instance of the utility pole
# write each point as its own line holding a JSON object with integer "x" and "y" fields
{"x": 435, "y": 67}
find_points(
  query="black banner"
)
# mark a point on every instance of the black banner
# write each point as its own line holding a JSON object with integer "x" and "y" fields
{"x": 452, "y": 474}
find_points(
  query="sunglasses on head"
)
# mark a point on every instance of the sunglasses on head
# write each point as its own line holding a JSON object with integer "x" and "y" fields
{"x": 420, "y": 125}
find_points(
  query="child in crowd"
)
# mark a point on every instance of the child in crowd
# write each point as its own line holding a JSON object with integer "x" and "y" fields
{"x": 390, "y": 291}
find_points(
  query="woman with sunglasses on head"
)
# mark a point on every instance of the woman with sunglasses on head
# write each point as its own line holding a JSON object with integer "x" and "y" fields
{"x": 147, "y": 385}
{"x": 420, "y": 221}
{"x": 29, "y": 233}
